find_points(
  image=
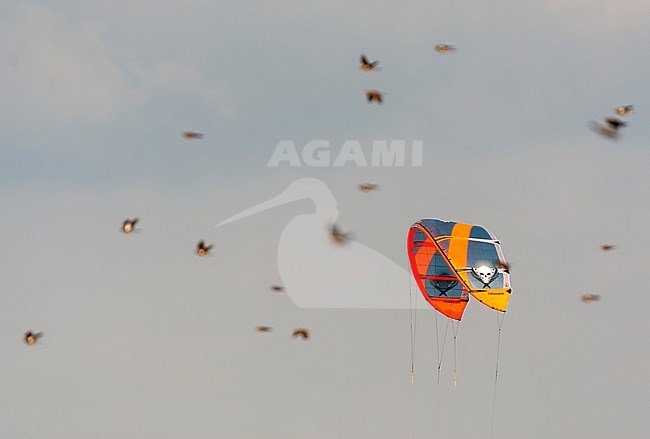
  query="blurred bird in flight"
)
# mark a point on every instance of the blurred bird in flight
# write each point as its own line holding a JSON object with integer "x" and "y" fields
{"x": 301, "y": 333}
{"x": 128, "y": 225}
{"x": 367, "y": 187}
{"x": 624, "y": 110}
{"x": 263, "y": 328}
{"x": 339, "y": 237}
{"x": 505, "y": 266}
{"x": 615, "y": 123}
{"x": 445, "y": 48}
{"x": 192, "y": 135}
{"x": 202, "y": 249}
{"x": 374, "y": 96}
{"x": 367, "y": 65}
{"x": 31, "y": 338}
{"x": 604, "y": 130}
{"x": 588, "y": 298}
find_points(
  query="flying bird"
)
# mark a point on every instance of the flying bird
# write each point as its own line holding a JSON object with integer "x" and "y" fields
{"x": 607, "y": 247}
{"x": 263, "y": 328}
{"x": 615, "y": 123}
{"x": 128, "y": 225}
{"x": 588, "y": 298}
{"x": 624, "y": 110}
{"x": 202, "y": 249}
{"x": 505, "y": 266}
{"x": 367, "y": 65}
{"x": 192, "y": 135}
{"x": 444, "y": 48}
{"x": 374, "y": 95}
{"x": 367, "y": 187}
{"x": 31, "y": 338}
{"x": 301, "y": 333}
{"x": 339, "y": 237}
{"x": 604, "y": 131}
{"x": 277, "y": 288}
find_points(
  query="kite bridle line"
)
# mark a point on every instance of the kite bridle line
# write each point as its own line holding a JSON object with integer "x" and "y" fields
{"x": 500, "y": 319}
{"x": 441, "y": 353}
{"x": 455, "y": 329}
{"x": 413, "y": 314}
{"x": 414, "y": 317}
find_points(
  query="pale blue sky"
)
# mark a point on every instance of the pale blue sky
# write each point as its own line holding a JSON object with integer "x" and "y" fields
{"x": 144, "y": 340}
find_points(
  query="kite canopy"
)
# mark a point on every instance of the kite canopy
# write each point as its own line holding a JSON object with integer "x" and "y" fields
{"x": 451, "y": 260}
